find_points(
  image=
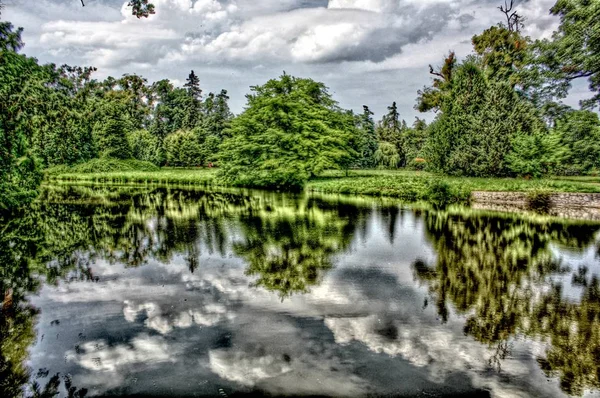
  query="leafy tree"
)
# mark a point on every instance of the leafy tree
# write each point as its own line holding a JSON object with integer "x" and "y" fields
{"x": 414, "y": 144}
{"x": 182, "y": 149}
{"x": 144, "y": 146}
{"x": 430, "y": 98}
{"x": 290, "y": 131}
{"x": 392, "y": 130}
{"x": 574, "y": 51}
{"x": 217, "y": 115}
{"x": 19, "y": 170}
{"x": 111, "y": 139}
{"x": 579, "y": 133}
{"x": 387, "y": 155}
{"x": 503, "y": 53}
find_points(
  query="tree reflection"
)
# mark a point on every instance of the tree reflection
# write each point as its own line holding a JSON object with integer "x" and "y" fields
{"x": 286, "y": 241}
{"x": 493, "y": 270}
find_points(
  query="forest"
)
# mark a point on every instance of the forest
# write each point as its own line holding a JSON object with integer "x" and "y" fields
{"x": 498, "y": 113}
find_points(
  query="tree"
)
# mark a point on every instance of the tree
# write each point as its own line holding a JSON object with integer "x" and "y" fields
{"x": 182, "y": 149}
{"x": 19, "y": 75}
{"x": 290, "y": 131}
{"x": 387, "y": 155}
{"x": 473, "y": 134}
{"x": 574, "y": 51}
{"x": 392, "y": 130}
{"x": 217, "y": 115}
{"x": 367, "y": 145}
{"x": 430, "y": 98}
{"x": 144, "y": 146}
{"x": 414, "y": 144}
{"x": 579, "y": 133}
{"x": 111, "y": 139}
{"x": 503, "y": 53}
{"x": 193, "y": 86}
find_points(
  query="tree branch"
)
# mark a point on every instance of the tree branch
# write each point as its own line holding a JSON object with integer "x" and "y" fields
{"x": 433, "y": 72}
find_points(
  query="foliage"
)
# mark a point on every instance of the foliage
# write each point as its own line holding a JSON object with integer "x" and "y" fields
{"x": 503, "y": 54}
{"x": 182, "y": 149}
{"x": 479, "y": 120}
{"x": 19, "y": 169}
{"x": 579, "y": 133}
{"x": 415, "y": 139}
{"x": 431, "y": 98}
{"x": 574, "y": 51}
{"x": 144, "y": 146}
{"x": 290, "y": 131}
{"x": 387, "y": 155}
{"x": 367, "y": 144}
{"x": 111, "y": 139}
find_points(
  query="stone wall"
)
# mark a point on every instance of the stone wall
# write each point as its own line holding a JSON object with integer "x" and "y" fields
{"x": 582, "y": 206}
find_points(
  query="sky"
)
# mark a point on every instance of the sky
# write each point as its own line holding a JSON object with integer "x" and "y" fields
{"x": 368, "y": 52}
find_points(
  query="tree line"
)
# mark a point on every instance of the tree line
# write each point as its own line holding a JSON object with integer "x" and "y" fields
{"x": 498, "y": 114}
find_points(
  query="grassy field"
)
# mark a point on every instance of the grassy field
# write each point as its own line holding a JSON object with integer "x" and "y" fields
{"x": 403, "y": 184}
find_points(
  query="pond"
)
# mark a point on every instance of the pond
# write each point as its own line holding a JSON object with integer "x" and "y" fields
{"x": 114, "y": 290}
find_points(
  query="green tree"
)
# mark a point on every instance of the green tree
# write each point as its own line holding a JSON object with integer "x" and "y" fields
{"x": 579, "y": 133}
{"x": 392, "y": 130}
{"x": 19, "y": 170}
{"x": 474, "y": 133}
{"x": 144, "y": 146}
{"x": 574, "y": 51}
{"x": 503, "y": 52}
{"x": 290, "y": 131}
{"x": 431, "y": 98}
{"x": 414, "y": 144}
{"x": 111, "y": 139}
{"x": 183, "y": 149}
{"x": 367, "y": 145}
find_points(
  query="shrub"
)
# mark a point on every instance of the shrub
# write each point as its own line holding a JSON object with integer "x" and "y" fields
{"x": 539, "y": 201}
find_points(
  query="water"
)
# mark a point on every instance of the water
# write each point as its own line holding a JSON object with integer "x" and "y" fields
{"x": 164, "y": 291}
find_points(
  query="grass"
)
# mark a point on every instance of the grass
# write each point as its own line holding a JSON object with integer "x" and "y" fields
{"x": 402, "y": 184}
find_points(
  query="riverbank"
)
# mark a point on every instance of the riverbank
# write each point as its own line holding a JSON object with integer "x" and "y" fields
{"x": 401, "y": 184}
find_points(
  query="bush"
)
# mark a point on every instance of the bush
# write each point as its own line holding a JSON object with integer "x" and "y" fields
{"x": 539, "y": 201}
{"x": 440, "y": 193}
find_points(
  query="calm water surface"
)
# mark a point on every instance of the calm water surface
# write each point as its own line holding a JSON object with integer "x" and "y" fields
{"x": 164, "y": 291}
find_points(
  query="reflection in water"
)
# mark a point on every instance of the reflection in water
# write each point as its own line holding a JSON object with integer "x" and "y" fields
{"x": 527, "y": 289}
{"x": 493, "y": 269}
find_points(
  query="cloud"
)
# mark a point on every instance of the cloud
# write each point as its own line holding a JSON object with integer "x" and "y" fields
{"x": 369, "y": 52}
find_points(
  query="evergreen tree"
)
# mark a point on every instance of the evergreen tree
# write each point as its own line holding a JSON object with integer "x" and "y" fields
{"x": 368, "y": 139}
{"x": 192, "y": 86}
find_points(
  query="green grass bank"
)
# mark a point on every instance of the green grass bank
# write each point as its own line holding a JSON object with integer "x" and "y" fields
{"x": 401, "y": 184}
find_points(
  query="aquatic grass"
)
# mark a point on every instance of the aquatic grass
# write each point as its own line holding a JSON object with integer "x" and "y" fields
{"x": 203, "y": 177}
